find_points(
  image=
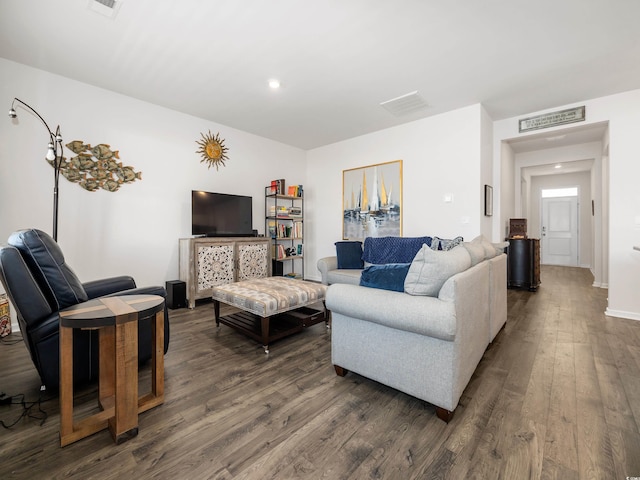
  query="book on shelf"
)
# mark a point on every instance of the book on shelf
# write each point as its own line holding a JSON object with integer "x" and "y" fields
{"x": 295, "y": 211}
{"x": 281, "y": 211}
{"x": 297, "y": 230}
{"x": 277, "y": 186}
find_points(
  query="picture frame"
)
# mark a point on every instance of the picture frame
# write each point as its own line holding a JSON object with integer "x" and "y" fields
{"x": 488, "y": 200}
{"x": 372, "y": 201}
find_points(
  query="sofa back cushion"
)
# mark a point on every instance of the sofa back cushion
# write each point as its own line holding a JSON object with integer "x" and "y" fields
{"x": 349, "y": 255}
{"x": 383, "y": 250}
{"x": 476, "y": 251}
{"x": 386, "y": 277}
{"x": 56, "y": 279}
{"x": 430, "y": 269}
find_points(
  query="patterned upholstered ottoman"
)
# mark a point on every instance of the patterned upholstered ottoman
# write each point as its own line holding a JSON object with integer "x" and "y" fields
{"x": 261, "y": 300}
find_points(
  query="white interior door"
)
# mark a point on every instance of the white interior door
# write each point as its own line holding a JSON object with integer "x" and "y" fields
{"x": 559, "y": 234}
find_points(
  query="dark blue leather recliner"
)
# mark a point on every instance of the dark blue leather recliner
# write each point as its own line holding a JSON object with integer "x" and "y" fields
{"x": 39, "y": 284}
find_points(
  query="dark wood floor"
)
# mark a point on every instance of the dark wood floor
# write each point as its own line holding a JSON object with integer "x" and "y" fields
{"x": 557, "y": 395}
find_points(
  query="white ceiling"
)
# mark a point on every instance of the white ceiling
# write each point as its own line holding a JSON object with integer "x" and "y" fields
{"x": 337, "y": 60}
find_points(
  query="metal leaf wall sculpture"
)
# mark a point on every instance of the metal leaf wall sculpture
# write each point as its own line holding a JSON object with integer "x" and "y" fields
{"x": 96, "y": 167}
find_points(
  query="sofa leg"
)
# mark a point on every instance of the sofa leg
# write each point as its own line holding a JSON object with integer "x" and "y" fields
{"x": 341, "y": 372}
{"x": 444, "y": 414}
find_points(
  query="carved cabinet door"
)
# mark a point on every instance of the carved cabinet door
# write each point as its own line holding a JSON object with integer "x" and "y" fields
{"x": 214, "y": 265}
{"x": 253, "y": 260}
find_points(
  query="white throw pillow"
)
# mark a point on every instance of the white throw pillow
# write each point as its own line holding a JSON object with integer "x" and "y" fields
{"x": 430, "y": 269}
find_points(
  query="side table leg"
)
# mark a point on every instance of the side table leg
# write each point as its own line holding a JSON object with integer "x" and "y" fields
{"x": 157, "y": 380}
{"x": 156, "y": 396}
{"x": 66, "y": 385}
{"x": 124, "y": 425}
{"x": 106, "y": 385}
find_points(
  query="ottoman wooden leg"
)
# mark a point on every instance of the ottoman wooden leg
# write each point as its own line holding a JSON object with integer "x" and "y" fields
{"x": 265, "y": 333}
{"x": 216, "y": 311}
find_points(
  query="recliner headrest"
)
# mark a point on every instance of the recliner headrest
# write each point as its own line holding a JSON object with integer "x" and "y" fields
{"x": 46, "y": 261}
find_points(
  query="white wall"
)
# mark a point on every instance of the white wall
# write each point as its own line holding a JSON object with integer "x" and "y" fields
{"x": 622, "y": 111}
{"x": 135, "y": 230}
{"x": 487, "y": 176}
{"x": 506, "y": 159}
{"x": 441, "y": 156}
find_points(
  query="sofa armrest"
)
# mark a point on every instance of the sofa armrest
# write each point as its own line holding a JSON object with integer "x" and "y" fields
{"x": 325, "y": 265}
{"x": 419, "y": 314}
{"x": 108, "y": 286}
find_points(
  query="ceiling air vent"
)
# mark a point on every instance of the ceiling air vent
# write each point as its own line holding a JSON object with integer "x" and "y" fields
{"x": 405, "y": 104}
{"x": 108, "y": 8}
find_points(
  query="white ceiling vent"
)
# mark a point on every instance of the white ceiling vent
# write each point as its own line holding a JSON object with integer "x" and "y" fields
{"x": 405, "y": 104}
{"x": 108, "y": 8}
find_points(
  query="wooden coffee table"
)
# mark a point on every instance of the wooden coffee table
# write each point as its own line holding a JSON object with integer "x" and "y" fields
{"x": 271, "y": 307}
{"x": 117, "y": 319}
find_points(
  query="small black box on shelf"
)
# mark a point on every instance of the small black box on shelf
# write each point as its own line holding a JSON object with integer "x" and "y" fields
{"x": 176, "y": 294}
{"x": 276, "y": 268}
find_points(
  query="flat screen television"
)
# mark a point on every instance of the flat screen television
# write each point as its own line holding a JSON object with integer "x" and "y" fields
{"x": 221, "y": 215}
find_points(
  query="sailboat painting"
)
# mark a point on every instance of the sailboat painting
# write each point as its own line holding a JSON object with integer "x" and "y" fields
{"x": 372, "y": 201}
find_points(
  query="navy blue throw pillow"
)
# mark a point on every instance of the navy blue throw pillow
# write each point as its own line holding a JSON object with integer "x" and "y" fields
{"x": 349, "y": 255}
{"x": 387, "y": 277}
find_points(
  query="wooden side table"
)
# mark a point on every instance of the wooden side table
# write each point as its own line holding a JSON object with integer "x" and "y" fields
{"x": 117, "y": 319}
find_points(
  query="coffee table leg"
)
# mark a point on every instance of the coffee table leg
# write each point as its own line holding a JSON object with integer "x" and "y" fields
{"x": 327, "y": 315}
{"x": 265, "y": 334}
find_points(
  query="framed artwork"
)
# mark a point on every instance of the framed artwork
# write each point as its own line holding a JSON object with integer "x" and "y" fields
{"x": 488, "y": 200}
{"x": 372, "y": 201}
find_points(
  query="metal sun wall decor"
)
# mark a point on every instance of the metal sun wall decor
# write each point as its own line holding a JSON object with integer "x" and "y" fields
{"x": 212, "y": 150}
{"x": 96, "y": 167}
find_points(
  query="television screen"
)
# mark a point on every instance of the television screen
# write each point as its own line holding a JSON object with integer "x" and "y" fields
{"x": 221, "y": 215}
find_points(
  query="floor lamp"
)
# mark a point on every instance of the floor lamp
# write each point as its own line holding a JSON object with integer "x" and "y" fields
{"x": 54, "y": 156}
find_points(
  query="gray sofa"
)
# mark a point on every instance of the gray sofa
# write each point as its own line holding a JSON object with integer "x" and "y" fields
{"x": 426, "y": 345}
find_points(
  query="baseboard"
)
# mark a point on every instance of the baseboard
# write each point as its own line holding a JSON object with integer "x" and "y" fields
{"x": 620, "y": 314}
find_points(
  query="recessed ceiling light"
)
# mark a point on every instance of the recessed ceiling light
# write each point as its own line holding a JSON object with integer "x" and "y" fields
{"x": 558, "y": 166}
{"x": 274, "y": 83}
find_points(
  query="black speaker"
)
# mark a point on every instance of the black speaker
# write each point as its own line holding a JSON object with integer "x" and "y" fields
{"x": 277, "y": 269}
{"x": 176, "y": 294}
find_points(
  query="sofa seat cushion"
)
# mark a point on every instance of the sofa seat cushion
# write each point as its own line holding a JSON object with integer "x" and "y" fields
{"x": 385, "y": 277}
{"x": 422, "y": 315}
{"x": 349, "y": 276}
{"x": 383, "y": 250}
{"x": 430, "y": 269}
